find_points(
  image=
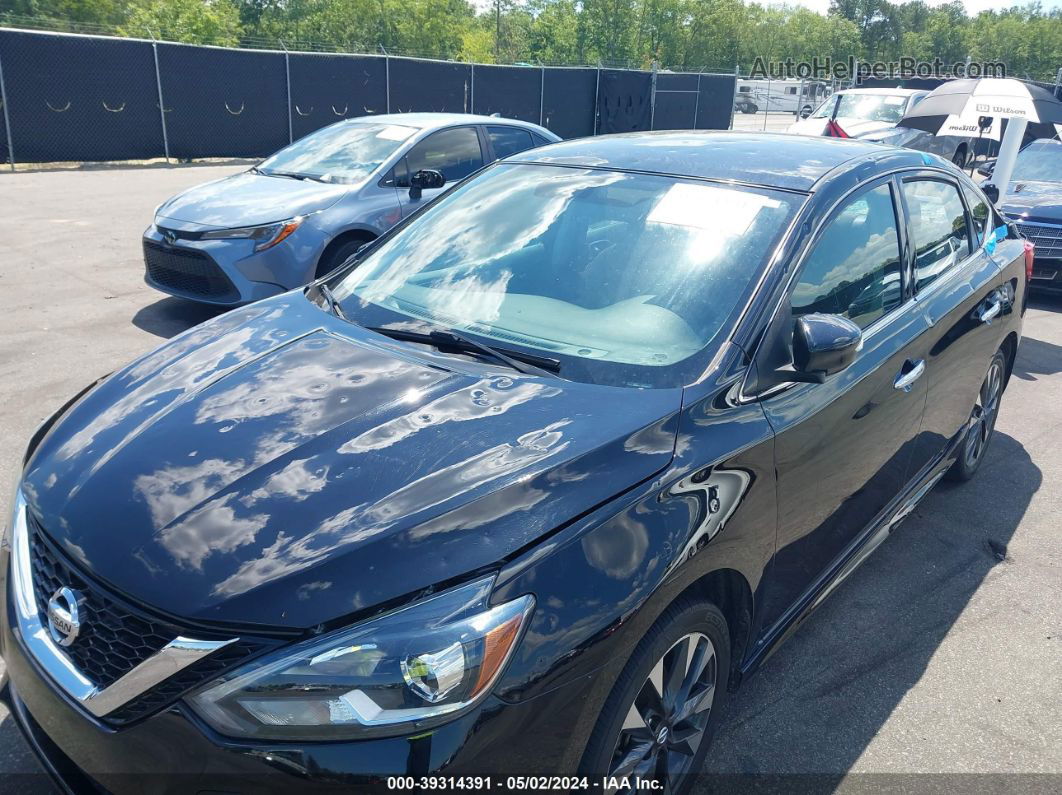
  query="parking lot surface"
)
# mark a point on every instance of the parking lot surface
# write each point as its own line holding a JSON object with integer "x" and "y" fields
{"x": 942, "y": 655}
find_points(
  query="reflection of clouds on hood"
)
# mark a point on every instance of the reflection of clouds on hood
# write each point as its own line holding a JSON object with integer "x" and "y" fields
{"x": 482, "y": 399}
{"x": 295, "y": 481}
{"x": 171, "y": 491}
{"x": 362, "y": 522}
{"x": 215, "y": 528}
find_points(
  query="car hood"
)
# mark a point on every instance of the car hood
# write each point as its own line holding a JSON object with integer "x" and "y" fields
{"x": 854, "y": 128}
{"x": 1034, "y": 201}
{"x": 248, "y": 199}
{"x": 278, "y": 467}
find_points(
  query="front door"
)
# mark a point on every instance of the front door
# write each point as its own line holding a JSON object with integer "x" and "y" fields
{"x": 455, "y": 153}
{"x": 842, "y": 447}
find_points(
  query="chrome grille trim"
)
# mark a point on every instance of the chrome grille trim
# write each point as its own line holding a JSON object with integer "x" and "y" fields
{"x": 176, "y": 655}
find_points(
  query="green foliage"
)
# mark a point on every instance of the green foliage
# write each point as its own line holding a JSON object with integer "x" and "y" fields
{"x": 194, "y": 21}
{"x": 677, "y": 34}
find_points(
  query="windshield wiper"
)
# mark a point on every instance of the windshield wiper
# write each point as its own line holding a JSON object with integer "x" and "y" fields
{"x": 332, "y": 302}
{"x": 527, "y": 363}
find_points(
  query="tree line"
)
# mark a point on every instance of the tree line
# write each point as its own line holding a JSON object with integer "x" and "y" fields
{"x": 714, "y": 35}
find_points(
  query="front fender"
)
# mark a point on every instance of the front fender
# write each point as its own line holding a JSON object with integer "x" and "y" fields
{"x": 602, "y": 582}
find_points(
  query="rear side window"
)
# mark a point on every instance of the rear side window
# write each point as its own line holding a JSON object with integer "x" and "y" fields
{"x": 539, "y": 140}
{"x": 978, "y": 205}
{"x": 938, "y": 228}
{"x": 455, "y": 153}
{"x": 509, "y": 140}
{"x": 854, "y": 268}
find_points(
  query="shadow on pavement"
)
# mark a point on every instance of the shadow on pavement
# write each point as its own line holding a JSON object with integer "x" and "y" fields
{"x": 168, "y": 317}
{"x": 803, "y": 721}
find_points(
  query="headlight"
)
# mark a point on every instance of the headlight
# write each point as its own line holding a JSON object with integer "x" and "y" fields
{"x": 404, "y": 671}
{"x": 264, "y": 236}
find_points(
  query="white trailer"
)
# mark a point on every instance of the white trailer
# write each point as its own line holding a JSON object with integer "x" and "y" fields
{"x": 789, "y": 96}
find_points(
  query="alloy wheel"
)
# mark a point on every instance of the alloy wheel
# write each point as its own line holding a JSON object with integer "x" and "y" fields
{"x": 667, "y": 721}
{"x": 983, "y": 419}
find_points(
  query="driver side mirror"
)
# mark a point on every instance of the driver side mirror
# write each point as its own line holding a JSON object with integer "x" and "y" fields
{"x": 805, "y": 112}
{"x": 426, "y": 178}
{"x": 991, "y": 192}
{"x": 823, "y": 345}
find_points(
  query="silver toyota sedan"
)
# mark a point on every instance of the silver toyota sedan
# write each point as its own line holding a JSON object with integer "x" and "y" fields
{"x": 306, "y": 209}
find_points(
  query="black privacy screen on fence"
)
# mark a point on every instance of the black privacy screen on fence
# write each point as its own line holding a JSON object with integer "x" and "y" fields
{"x": 330, "y": 88}
{"x": 80, "y": 98}
{"x": 83, "y": 98}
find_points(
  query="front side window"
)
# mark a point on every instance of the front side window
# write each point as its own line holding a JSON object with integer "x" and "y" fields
{"x": 854, "y": 268}
{"x": 455, "y": 153}
{"x": 343, "y": 153}
{"x": 623, "y": 277}
{"x": 938, "y": 228}
{"x": 509, "y": 140}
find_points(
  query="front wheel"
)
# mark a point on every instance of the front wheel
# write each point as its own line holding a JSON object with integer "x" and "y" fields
{"x": 982, "y": 421}
{"x": 657, "y": 723}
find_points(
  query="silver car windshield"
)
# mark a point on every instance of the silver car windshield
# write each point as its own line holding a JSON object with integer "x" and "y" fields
{"x": 345, "y": 153}
{"x": 872, "y": 107}
{"x": 593, "y": 264}
{"x": 1039, "y": 161}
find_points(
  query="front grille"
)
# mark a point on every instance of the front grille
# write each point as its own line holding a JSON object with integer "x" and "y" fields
{"x": 1047, "y": 237}
{"x": 115, "y": 636}
{"x": 187, "y": 271}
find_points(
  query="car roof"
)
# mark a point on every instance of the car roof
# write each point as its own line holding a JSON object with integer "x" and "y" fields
{"x": 423, "y": 120}
{"x": 893, "y": 91}
{"x": 778, "y": 160}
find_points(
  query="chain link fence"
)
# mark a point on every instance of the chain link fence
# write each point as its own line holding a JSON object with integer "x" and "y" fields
{"x": 75, "y": 97}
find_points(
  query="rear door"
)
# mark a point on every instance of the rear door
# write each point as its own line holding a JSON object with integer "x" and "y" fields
{"x": 454, "y": 152}
{"x": 507, "y": 140}
{"x": 842, "y": 447}
{"x": 959, "y": 287}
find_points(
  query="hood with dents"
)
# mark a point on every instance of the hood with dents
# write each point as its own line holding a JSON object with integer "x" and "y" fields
{"x": 1029, "y": 200}
{"x": 249, "y": 199}
{"x": 278, "y": 466}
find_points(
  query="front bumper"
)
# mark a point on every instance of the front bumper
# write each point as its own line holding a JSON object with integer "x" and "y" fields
{"x": 173, "y": 751}
{"x": 1047, "y": 274}
{"x": 227, "y": 272}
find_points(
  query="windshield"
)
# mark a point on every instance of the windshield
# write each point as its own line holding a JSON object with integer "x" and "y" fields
{"x": 345, "y": 152}
{"x": 868, "y": 107}
{"x": 620, "y": 276}
{"x": 1040, "y": 161}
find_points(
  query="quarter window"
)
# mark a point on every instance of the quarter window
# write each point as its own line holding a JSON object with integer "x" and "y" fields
{"x": 854, "y": 268}
{"x": 455, "y": 153}
{"x": 509, "y": 140}
{"x": 979, "y": 212}
{"x": 938, "y": 228}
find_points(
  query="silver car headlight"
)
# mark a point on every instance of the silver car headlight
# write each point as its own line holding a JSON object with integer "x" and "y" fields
{"x": 265, "y": 236}
{"x": 401, "y": 672}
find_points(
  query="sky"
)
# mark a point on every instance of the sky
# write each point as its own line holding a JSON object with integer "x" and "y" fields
{"x": 973, "y": 7}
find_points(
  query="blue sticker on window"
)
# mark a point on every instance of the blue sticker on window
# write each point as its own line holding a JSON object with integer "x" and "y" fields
{"x": 997, "y": 234}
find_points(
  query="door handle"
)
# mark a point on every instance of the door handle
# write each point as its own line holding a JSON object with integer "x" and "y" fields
{"x": 905, "y": 380}
{"x": 989, "y": 313}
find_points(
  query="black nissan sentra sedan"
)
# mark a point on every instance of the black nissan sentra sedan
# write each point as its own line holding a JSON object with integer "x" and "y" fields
{"x": 526, "y": 487}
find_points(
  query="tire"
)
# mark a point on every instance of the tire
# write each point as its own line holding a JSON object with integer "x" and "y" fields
{"x": 335, "y": 257}
{"x": 982, "y": 422}
{"x": 636, "y": 740}
{"x": 960, "y": 156}
{"x": 750, "y": 108}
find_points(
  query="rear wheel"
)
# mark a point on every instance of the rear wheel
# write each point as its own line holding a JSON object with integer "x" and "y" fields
{"x": 982, "y": 421}
{"x": 657, "y": 722}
